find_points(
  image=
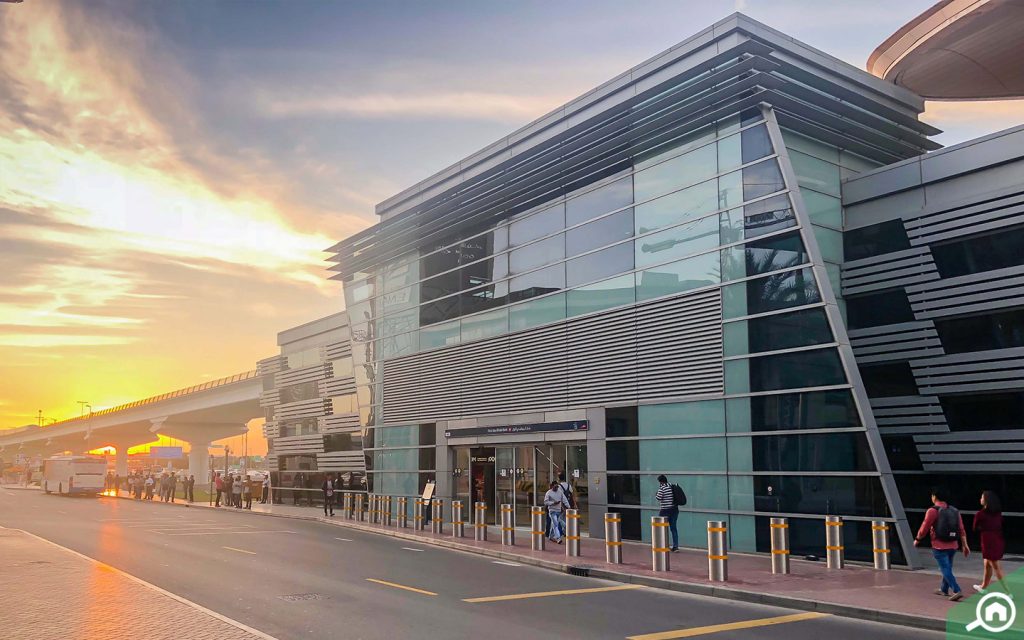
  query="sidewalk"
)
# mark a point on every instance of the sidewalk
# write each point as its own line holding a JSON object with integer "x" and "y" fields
{"x": 50, "y": 593}
{"x": 895, "y": 597}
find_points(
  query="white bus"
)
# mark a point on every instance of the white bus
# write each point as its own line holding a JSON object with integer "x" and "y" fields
{"x": 74, "y": 474}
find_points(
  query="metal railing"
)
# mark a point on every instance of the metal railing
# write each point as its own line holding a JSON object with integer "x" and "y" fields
{"x": 211, "y": 384}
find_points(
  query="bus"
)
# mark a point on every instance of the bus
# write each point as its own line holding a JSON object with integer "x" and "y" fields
{"x": 74, "y": 475}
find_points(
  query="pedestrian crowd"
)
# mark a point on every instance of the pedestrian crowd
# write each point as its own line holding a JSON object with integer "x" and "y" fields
{"x": 145, "y": 486}
{"x": 236, "y": 490}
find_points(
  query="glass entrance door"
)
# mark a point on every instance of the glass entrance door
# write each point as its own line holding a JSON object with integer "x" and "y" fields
{"x": 504, "y": 482}
{"x": 525, "y": 484}
{"x": 481, "y": 465}
{"x": 576, "y": 475}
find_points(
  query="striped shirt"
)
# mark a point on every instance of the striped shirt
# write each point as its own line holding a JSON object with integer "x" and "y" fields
{"x": 664, "y": 496}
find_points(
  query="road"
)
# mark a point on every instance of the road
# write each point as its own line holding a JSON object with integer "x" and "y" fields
{"x": 300, "y": 579}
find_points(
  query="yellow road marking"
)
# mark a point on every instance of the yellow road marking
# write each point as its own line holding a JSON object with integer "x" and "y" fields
{"x": 731, "y": 626}
{"x": 252, "y": 553}
{"x": 402, "y": 586}
{"x": 545, "y": 594}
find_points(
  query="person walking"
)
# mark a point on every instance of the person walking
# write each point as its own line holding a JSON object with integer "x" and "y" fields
{"x": 190, "y": 488}
{"x": 944, "y": 526}
{"x": 328, "y": 488}
{"x": 988, "y": 522}
{"x": 266, "y": 489}
{"x": 150, "y": 483}
{"x": 555, "y": 500}
{"x": 668, "y": 508}
{"x": 218, "y": 485}
{"x": 236, "y": 492}
{"x": 247, "y": 493}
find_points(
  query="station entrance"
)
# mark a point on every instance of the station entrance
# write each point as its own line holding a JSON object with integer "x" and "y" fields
{"x": 519, "y": 475}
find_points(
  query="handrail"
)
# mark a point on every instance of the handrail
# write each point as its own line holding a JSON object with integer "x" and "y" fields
{"x": 238, "y": 377}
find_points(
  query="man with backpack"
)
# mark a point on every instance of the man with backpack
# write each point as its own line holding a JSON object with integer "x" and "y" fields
{"x": 670, "y": 497}
{"x": 943, "y": 524}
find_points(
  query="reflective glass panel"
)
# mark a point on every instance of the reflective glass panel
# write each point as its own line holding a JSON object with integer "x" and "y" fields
{"x": 699, "y": 454}
{"x": 537, "y": 312}
{"x": 539, "y": 253}
{"x": 682, "y": 418}
{"x": 615, "y": 292}
{"x": 599, "y": 264}
{"x": 832, "y": 409}
{"x": 804, "y": 453}
{"x": 756, "y": 143}
{"x": 537, "y": 283}
{"x": 761, "y": 179}
{"x": 610, "y": 197}
{"x": 485, "y": 325}
{"x": 677, "y": 207}
{"x": 691, "y": 273}
{"x": 814, "y": 173}
{"x": 770, "y": 293}
{"x": 439, "y": 310}
{"x": 778, "y": 331}
{"x": 817, "y": 368}
{"x": 537, "y": 225}
{"x": 439, "y": 335}
{"x": 678, "y": 241}
{"x": 599, "y": 233}
{"x": 678, "y": 172}
{"x": 763, "y": 256}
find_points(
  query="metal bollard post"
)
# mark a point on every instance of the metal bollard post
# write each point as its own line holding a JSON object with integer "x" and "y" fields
{"x": 480, "y": 521}
{"x": 880, "y": 544}
{"x": 417, "y": 518}
{"x": 780, "y": 545}
{"x": 613, "y": 538}
{"x": 834, "y": 550}
{"x": 718, "y": 555}
{"x": 372, "y": 505}
{"x": 360, "y": 511}
{"x": 572, "y": 532}
{"x": 537, "y": 537}
{"x": 346, "y": 502}
{"x": 378, "y": 501}
{"x": 458, "y": 525}
{"x": 508, "y": 530}
{"x": 402, "y": 521}
{"x": 386, "y": 513}
{"x": 437, "y": 516}
{"x": 659, "y": 543}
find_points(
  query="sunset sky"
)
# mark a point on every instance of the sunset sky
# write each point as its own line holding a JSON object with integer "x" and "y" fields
{"x": 170, "y": 172}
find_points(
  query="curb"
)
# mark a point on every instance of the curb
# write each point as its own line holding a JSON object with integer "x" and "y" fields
{"x": 726, "y": 593}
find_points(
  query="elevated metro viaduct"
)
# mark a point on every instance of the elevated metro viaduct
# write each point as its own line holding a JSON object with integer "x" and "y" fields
{"x": 198, "y": 415}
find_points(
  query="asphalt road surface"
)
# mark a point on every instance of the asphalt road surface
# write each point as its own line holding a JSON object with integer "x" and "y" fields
{"x": 299, "y": 579}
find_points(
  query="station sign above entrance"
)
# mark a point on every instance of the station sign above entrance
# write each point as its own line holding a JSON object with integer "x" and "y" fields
{"x": 515, "y": 429}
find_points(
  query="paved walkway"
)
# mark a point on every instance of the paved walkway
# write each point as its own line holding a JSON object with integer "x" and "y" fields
{"x": 49, "y": 593}
{"x": 897, "y": 596}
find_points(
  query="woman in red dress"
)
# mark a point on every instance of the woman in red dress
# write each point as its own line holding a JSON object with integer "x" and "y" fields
{"x": 988, "y": 522}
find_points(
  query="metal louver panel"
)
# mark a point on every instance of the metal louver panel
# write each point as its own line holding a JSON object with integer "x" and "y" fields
{"x": 338, "y": 350}
{"x": 303, "y": 409}
{"x": 663, "y": 349}
{"x": 306, "y": 374}
{"x": 299, "y": 444}
{"x": 342, "y": 423}
{"x": 337, "y": 387}
{"x": 340, "y": 461}
{"x": 271, "y": 365}
{"x": 270, "y": 398}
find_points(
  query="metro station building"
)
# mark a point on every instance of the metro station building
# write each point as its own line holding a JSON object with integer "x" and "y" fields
{"x": 732, "y": 265}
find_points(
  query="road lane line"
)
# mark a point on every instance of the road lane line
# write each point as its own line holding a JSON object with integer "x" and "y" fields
{"x": 344, "y": 539}
{"x": 219, "y": 533}
{"x": 252, "y": 553}
{"x": 401, "y": 586}
{"x": 411, "y": 549}
{"x": 545, "y": 594}
{"x": 731, "y": 626}
{"x": 150, "y": 585}
{"x": 507, "y": 564}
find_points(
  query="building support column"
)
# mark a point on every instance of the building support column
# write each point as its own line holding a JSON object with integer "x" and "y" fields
{"x": 199, "y": 461}
{"x": 121, "y": 461}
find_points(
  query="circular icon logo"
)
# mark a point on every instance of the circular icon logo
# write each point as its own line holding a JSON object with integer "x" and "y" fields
{"x": 994, "y": 613}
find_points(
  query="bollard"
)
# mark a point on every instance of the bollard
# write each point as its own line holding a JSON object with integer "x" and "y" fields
{"x": 372, "y": 505}
{"x": 480, "y": 521}
{"x": 537, "y": 537}
{"x": 458, "y": 525}
{"x": 780, "y": 545}
{"x": 659, "y": 543}
{"x": 880, "y": 544}
{"x": 346, "y": 502}
{"x": 402, "y": 521}
{"x": 360, "y": 511}
{"x": 508, "y": 530}
{"x": 417, "y": 518}
{"x": 572, "y": 532}
{"x": 386, "y": 513}
{"x": 613, "y": 538}
{"x": 437, "y": 516}
{"x": 834, "y": 551}
{"x": 718, "y": 556}
{"x": 377, "y": 508}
